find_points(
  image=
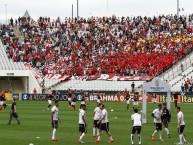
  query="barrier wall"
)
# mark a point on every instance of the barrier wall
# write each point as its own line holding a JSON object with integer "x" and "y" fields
{"x": 33, "y": 83}
{"x": 108, "y": 96}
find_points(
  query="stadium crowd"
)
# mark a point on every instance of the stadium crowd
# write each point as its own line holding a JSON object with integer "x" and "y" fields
{"x": 187, "y": 86}
{"x": 121, "y": 46}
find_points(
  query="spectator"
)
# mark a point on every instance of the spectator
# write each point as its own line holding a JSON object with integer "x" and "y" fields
{"x": 133, "y": 87}
{"x": 130, "y": 46}
{"x": 182, "y": 67}
{"x": 35, "y": 91}
{"x": 182, "y": 88}
{"x": 43, "y": 87}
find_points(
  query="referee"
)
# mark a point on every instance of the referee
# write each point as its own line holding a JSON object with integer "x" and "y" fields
{"x": 13, "y": 113}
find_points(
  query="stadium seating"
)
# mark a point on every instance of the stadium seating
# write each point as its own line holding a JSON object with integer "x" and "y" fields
{"x": 175, "y": 76}
{"x": 8, "y": 64}
{"x": 133, "y": 48}
{"x": 49, "y": 83}
{"x": 123, "y": 47}
{"x": 98, "y": 85}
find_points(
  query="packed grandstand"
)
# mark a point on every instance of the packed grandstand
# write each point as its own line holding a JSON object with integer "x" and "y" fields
{"x": 130, "y": 48}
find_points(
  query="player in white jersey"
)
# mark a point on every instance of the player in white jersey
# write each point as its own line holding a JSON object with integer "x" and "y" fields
{"x": 136, "y": 123}
{"x": 181, "y": 125}
{"x": 157, "y": 115}
{"x": 82, "y": 122}
{"x": 54, "y": 119}
{"x": 154, "y": 98}
{"x": 96, "y": 116}
{"x": 104, "y": 124}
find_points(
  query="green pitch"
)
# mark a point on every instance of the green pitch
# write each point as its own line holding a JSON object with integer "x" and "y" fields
{"x": 35, "y": 122}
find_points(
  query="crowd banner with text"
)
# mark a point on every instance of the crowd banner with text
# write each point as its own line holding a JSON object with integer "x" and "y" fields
{"x": 43, "y": 97}
{"x": 107, "y": 96}
{"x": 163, "y": 98}
{"x": 187, "y": 98}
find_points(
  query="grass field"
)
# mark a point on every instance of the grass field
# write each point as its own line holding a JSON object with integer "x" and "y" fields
{"x": 36, "y": 123}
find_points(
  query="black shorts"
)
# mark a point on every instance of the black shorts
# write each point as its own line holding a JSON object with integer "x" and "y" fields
{"x": 158, "y": 126}
{"x": 82, "y": 128}
{"x": 165, "y": 123}
{"x": 55, "y": 124}
{"x": 136, "y": 128}
{"x": 95, "y": 124}
{"x": 104, "y": 126}
{"x": 12, "y": 114}
{"x": 181, "y": 129}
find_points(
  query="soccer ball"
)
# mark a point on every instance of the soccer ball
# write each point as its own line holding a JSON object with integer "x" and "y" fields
{"x": 112, "y": 110}
{"x": 31, "y": 144}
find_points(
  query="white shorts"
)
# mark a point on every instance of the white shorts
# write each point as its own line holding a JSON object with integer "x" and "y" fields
{"x": 86, "y": 98}
{"x": 73, "y": 103}
{"x": 153, "y": 100}
{"x": 1, "y": 102}
{"x": 135, "y": 103}
{"x": 82, "y": 102}
{"x": 49, "y": 101}
{"x": 98, "y": 101}
{"x": 69, "y": 99}
{"x": 128, "y": 101}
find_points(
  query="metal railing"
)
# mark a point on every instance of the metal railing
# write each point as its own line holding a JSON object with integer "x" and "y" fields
{"x": 177, "y": 68}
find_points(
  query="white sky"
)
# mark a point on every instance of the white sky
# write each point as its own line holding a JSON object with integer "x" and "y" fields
{"x": 62, "y": 8}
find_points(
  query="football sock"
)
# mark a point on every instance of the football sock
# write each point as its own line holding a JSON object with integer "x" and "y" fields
{"x": 81, "y": 137}
{"x": 139, "y": 138}
{"x": 127, "y": 107}
{"x": 94, "y": 130}
{"x": 99, "y": 137}
{"x": 184, "y": 138}
{"x": 167, "y": 131}
{"x": 132, "y": 138}
{"x": 49, "y": 106}
{"x": 5, "y": 105}
{"x": 154, "y": 132}
{"x": 110, "y": 137}
{"x": 10, "y": 120}
{"x": 97, "y": 131}
{"x": 53, "y": 133}
{"x": 18, "y": 121}
{"x": 180, "y": 136}
{"x": 160, "y": 134}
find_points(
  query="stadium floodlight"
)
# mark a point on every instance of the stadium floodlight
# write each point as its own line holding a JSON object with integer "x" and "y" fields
{"x": 72, "y": 13}
{"x": 178, "y": 8}
{"x": 6, "y": 13}
{"x": 107, "y": 8}
{"x": 77, "y": 10}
